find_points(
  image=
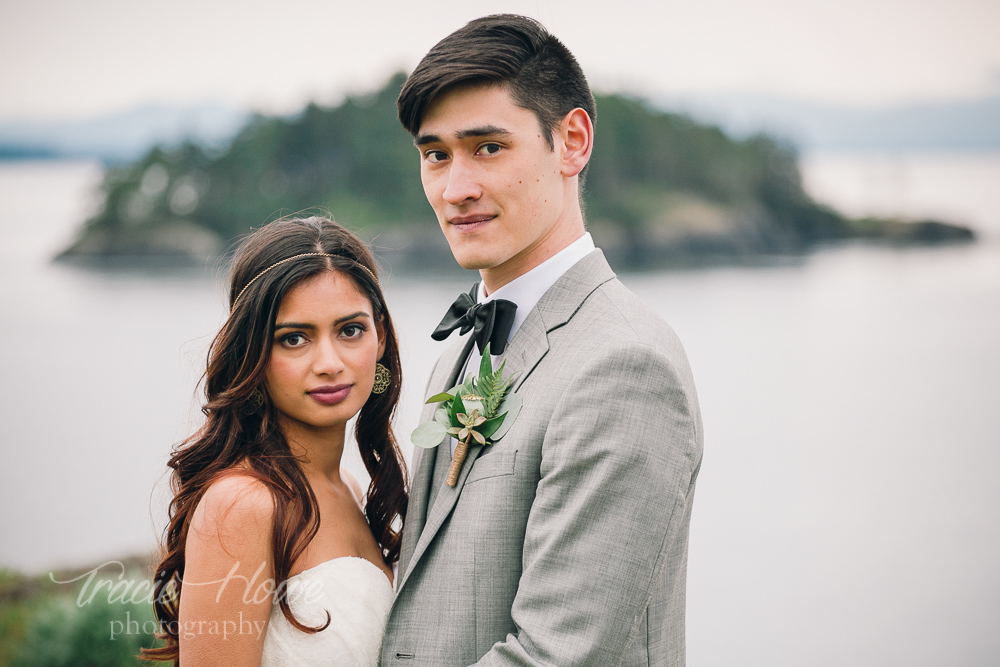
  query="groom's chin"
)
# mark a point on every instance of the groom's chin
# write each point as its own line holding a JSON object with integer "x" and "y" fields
{"x": 469, "y": 257}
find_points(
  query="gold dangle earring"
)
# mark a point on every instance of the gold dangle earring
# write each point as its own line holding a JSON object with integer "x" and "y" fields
{"x": 383, "y": 378}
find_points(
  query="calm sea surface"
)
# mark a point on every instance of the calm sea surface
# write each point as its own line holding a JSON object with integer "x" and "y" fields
{"x": 848, "y": 511}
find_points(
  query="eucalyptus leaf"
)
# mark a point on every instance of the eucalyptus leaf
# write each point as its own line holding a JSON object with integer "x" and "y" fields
{"x": 428, "y": 435}
{"x": 510, "y": 406}
{"x": 441, "y": 417}
{"x": 437, "y": 398}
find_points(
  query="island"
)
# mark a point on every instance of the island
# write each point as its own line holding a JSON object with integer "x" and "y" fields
{"x": 662, "y": 190}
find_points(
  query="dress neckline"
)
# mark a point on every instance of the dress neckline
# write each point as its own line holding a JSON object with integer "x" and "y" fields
{"x": 347, "y": 559}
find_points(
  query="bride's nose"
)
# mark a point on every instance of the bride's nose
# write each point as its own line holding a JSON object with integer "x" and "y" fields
{"x": 327, "y": 360}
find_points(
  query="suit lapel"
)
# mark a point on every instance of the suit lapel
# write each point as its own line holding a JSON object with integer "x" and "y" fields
{"x": 421, "y": 490}
{"x": 526, "y": 350}
{"x": 556, "y": 307}
{"x": 523, "y": 354}
{"x": 444, "y": 502}
{"x": 529, "y": 345}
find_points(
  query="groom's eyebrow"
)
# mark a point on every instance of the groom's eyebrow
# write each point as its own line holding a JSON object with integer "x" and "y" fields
{"x": 482, "y": 131}
{"x": 424, "y": 139}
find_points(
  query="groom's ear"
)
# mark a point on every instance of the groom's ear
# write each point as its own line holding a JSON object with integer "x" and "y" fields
{"x": 575, "y": 136}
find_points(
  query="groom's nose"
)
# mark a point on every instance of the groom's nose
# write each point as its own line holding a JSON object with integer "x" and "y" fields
{"x": 463, "y": 184}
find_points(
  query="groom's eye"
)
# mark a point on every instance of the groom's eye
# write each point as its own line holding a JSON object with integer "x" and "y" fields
{"x": 490, "y": 149}
{"x": 435, "y": 156}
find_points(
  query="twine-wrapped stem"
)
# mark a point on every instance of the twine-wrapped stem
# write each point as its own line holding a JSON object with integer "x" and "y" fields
{"x": 457, "y": 459}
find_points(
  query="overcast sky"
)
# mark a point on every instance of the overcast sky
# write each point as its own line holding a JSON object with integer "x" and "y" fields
{"x": 78, "y": 58}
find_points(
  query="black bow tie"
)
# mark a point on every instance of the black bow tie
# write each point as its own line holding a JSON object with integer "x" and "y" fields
{"x": 491, "y": 320}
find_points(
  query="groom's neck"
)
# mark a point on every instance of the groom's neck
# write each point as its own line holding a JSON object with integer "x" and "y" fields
{"x": 530, "y": 257}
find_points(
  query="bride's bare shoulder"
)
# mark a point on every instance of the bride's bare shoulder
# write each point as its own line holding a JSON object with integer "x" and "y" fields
{"x": 235, "y": 502}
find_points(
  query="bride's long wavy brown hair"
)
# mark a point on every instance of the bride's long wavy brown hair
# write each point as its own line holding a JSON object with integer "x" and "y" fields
{"x": 241, "y": 431}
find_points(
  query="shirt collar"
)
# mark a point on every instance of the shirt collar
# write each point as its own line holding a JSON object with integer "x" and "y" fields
{"x": 527, "y": 289}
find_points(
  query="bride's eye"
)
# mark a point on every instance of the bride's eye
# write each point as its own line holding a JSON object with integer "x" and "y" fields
{"x": 293, "y": 340}
{"x": 353, "y": 330}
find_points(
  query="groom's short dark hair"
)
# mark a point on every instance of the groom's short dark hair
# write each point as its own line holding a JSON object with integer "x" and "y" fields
{"x": 507, "y": 50}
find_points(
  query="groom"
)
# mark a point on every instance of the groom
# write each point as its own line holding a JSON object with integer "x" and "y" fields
{"x": 565, "y": 542}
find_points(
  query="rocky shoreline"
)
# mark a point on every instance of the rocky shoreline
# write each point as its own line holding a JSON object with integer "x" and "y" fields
{"x": 184, "y": 244}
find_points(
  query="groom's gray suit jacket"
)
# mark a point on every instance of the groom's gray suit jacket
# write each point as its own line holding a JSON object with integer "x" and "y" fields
{"x": 565, "y": 542}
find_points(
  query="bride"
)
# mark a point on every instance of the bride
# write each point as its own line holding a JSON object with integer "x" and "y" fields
{"x": 275, "y": 555}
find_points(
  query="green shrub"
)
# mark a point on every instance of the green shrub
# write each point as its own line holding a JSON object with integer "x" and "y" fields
{"x": 97, "y": 633}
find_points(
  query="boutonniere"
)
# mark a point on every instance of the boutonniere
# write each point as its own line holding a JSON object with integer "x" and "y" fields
{"x": 481, "y": 409}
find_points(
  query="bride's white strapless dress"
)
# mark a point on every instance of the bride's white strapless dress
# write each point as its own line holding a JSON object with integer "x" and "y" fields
{"x": 355, "y": 592}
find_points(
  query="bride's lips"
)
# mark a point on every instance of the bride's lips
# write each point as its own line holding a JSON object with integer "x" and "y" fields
{"x": 468, "y": 223}
{"x": 330, "y": 394}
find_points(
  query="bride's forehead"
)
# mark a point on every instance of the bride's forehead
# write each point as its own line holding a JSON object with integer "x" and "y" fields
{"x": 323, "y": 293}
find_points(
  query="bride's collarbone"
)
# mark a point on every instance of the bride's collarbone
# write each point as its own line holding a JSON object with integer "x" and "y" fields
{"x": 343, "y": 532}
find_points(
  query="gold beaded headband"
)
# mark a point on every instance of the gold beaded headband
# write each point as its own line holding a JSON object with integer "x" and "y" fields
{"x": 288, "y": 259}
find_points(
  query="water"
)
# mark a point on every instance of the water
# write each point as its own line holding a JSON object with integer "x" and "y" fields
{"x": 850, "y": 494}
{"x": 847, "y": 512}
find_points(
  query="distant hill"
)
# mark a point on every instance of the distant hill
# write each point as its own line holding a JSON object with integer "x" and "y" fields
{"x": 661, "y": 188}
{"x": 953, "y": 126}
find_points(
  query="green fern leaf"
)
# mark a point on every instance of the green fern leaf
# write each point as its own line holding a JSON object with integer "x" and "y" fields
{"x": 485, "y": 386}
{"x": 498, "y": 388}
